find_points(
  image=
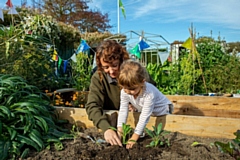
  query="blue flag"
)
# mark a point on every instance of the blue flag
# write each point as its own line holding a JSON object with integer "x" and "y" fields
{"x": 82, "y": 47}
{"x": 143, "y": 45}
{"x": 65, "y": 65}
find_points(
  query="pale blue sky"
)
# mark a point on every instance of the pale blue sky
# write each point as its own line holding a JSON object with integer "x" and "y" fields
{"x": 172, "y": 19}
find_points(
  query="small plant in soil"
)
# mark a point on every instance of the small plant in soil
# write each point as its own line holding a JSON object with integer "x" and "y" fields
{"x": 126, "y": 133}
{"x": 194, "y": 144}
{"x": 232, "y": 148}
{"x": 158, "y": 136}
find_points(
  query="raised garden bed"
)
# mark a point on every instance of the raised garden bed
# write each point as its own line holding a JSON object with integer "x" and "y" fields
{"x": 195, "y": 119}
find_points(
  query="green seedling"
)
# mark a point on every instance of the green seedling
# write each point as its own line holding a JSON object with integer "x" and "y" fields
{"x": 127, "y": 132}
{"x": 158, "y": 136}
{"x": 232, "y": 148}
{"x": 195, "y": 144}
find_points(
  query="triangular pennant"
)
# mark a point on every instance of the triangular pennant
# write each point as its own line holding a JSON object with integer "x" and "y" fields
{"x": 65, "y": 65}
{"x": 163, "y": 56}
{"x": 74, "y": 58}
{"x": 143, "y": 45}
{"x": 94, "y": 61}
{"x": 135, "y": 51}
{"x": 59, "y": 62}
{"x": 82, "y": 47}
{"x": 12, "y": 11}
{"x": 188, "y": 44}
{"x": 9, "y": 3}
{"x": 1, "y": 14}
{"x": 55, "y": 57}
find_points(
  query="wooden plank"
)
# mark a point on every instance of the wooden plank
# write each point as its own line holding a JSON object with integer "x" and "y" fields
{"x": 227, "y": 107}
{"x": 195, "y": 109}
{"x": 210, "y": 99}
{"x": 202, "y": 126}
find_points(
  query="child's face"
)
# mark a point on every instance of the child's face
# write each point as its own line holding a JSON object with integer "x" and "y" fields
{"x": 134, "y": 91}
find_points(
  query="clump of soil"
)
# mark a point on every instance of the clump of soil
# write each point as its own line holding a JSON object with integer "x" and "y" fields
{"x": 83, "y": 148}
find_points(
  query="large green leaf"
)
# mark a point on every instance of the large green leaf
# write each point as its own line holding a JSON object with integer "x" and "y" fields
{"x": 4, "y": 147}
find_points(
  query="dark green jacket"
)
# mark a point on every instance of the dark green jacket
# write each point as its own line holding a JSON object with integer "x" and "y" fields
{"x": 103, "y": 95}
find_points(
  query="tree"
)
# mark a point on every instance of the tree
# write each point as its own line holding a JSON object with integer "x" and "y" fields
{"x": 78, "y": 14}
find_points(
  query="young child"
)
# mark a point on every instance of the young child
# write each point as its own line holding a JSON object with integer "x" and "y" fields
{"x": 145, "y": 97}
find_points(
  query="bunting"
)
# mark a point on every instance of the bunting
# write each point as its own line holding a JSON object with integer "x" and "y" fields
{"x": 82, "y": 47}
{"x": 139, "y": 47}
{"x": 163, "y": 56}
{"x": 135, "y": 51}
{"x": 9, "y": 3}
{"x": 12, "y": 11}
{"x": 188, "y": 44}
{"x": 55, "y": 55}
{"x": 1, "y": 14}
{"x": 143, "y": 45}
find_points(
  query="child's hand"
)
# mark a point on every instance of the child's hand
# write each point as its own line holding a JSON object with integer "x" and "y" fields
{"x": 130, "y": 143}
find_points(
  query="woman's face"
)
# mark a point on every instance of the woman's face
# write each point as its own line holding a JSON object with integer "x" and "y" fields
{"x": 111, "y": 68}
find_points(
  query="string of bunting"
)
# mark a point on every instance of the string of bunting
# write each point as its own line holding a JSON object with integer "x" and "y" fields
{"x": 141, "y": 45}
{"x": 11, "y": 11}
{"x": 83, "y": 47}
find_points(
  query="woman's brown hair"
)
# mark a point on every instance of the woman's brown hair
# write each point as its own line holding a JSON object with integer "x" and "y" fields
{"x": 110, "y": 50}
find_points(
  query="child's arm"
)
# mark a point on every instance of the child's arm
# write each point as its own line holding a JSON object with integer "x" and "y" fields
{"x": 132, "y": 140}
{"x": 123, "y": 111}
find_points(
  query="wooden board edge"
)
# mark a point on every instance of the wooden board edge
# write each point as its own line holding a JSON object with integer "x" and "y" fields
{"x": 201, "y": 126}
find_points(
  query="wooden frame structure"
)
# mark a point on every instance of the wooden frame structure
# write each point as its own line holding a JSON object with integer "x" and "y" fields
{"x": 202, "y": 116}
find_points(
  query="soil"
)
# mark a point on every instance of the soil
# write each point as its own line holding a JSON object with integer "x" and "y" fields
{"x": 83, "y": 148}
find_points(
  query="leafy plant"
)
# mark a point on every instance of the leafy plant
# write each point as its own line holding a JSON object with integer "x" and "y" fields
{"x": 127, "y": 131}
{"x": 27, "y": 121}
{"x": 232, "y": 148}
{"x": 158, "y": 136}
{"x": 82, "y": 71}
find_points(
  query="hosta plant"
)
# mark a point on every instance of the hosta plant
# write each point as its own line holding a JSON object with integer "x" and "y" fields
{"x": 27, "y": 121}
{"x": 158, "y": 136}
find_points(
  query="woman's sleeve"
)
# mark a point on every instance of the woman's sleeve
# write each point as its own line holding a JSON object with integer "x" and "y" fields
{"x": 94, "y": 105}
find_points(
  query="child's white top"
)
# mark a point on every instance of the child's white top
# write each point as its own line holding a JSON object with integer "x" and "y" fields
{"x": 150, "y": 102}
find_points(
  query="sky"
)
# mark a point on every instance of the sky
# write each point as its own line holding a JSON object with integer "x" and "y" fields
{"x": 170, "y": 20}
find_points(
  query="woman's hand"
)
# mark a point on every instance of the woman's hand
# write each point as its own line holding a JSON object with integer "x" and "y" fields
{"x": 112, "y": 137}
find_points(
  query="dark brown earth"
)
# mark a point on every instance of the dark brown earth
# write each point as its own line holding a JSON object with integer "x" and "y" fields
{"x": 82, "y": 148}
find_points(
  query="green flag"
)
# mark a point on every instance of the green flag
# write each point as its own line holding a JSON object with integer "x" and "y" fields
{"x": 122, "y": 8}
{"x": 135, "y": 51}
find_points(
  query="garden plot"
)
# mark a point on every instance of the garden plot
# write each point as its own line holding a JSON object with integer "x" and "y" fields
{"x": 196, "y": 120}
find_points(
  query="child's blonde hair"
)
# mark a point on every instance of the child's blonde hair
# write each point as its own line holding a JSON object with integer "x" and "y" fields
{"x": 132, "y": 73}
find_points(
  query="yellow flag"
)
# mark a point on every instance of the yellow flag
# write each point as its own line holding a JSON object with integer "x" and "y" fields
{"x": 54, "y": 57}
{"x": 188, "y": 44}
